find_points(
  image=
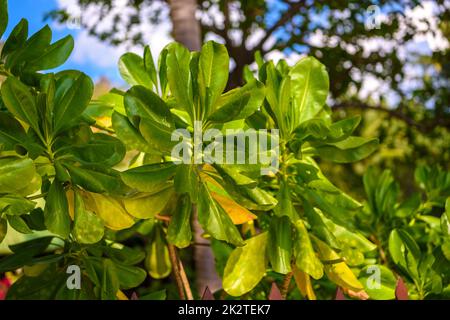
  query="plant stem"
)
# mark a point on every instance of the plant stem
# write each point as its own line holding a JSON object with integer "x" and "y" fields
{"x": 37, "y": 196}
{"x": 184, "y": 279}
{"x": 285, "y": 286}
{"x": 176, "y": 271}
{"x": 100, "y": 127}
{"x": 162, "y": 218}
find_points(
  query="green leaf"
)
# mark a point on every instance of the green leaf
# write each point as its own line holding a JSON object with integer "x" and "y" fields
{"x": 73, "y": 93}
{"x": 3, "y": 229}
{"x": 179, "y": 77}
{"x": 186, "y": 181}
{"x": 100, "y": 150}
{"x": 404, "y": 251}
{"x": 88, "y": 227}
{"x": 309, "y": 87}
{"x": 30, "y": 50}
{"x": 152, "y": 116}
{"x": 162, "y": 67}
{"x": 129, "y": 276}
{"x": 145, "y": 206}
{"x": 15, "y": 205}
{"x": 349, "y": 150}
{"x": 56, "y": 212}
{"x": 157, "y": 261}
{"x": 133, "y": 70}
{"x": 179, "y": 232}
{"x": 215, "y": 220}
{"x": 53, "y": 56}
{"x": 16, "y": 38}
{"x": 157, "y": 295}
{"x": 3, "y": 16}
{"x": 284, "y": 206}
{"x": 110, "y": 281}
{"x": 13, "y": 167}
{"x": 24, "y": 253}
{"x": 348, "y": 238}
{"x": 384, "y": 289}
{"x": 238, "y": 103}
{"x": 305, "y": 257}
{"x": 246, "y": 266}
{"x": 279, "y": 246}
{"x": 213, "y": 74}
{"x": 18, "y": 224}
{"x": 447, "y": 208}
{"x": 38, "y": 288}
{"x": 97, "y": 180}
{"x": 20, "y": 102}
{"x": 13, "y": 135}
{"x": 149, "y": 178}
{"x": 129, "y": 135}
{"x": 149, "y": 65}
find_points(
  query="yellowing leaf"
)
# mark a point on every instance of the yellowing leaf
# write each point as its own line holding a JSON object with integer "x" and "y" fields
{"x": 338, "y": 272}
{"x": 110, "y": 210}
{"x": 306, "y": 259}
{"x": 303, "y": 281}
{"x": 237, "y": 213}
{"x": 144, "y": 206}
{"x": 70, "y": 202}
{"x": 121, "y": 296}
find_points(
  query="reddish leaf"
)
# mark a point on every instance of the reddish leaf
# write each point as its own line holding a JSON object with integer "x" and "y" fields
{"x": 340, "y": 295}
{"x": 401, "y": 291}
{"x": 207, "y": 294}
{"x": 275, "y": 293}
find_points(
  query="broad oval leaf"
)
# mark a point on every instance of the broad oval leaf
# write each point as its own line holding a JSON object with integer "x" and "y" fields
{"x": 157, "y": 261}
{"x": 73, "y": 93}
{"x": 179, "y": 232}
{"x": 309, "y": 87}
{"x": 110, "y": 210}
{"x": 133, "y": 71}
{"x": 88, "y": 228}
{"x": 145, "y": 206}
{"x": 246, "y": 266}
{"x": 56, "y": 212}
{"x": 279, "y": 245}
{"x": 213, "y": 73}
{"x": 20, "y": 102}
{"x": 305, "y": 258}
{"x": 149, "y": 178}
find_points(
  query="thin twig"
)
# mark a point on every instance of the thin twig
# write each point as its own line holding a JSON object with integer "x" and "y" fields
{"x": 100, "y": 127}
{"x": 285, "y": 286}
{"x": 162, "y": 218}
{"x": 184, "y": 278}
{"x": 37, "y": 196}
{"x": 176, "y": 271}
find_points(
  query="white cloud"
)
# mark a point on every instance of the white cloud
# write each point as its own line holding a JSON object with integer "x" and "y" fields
{"x": 90, "y": 50}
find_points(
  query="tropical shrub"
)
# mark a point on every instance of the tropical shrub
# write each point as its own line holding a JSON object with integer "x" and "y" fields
{"x": 412, "y": 232}
{"x": 89, "y": 190}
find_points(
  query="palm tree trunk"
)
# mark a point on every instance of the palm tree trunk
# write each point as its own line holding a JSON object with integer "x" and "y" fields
{"x": 186, "y": 30}
{"x": 185, "y": 27}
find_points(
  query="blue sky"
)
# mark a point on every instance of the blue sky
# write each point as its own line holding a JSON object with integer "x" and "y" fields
{"x": 34, "y": 11}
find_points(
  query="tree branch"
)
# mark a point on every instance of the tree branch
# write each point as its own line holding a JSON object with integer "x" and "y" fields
{"x": 285, "y": 17}
{"x": 391, "y": 112}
